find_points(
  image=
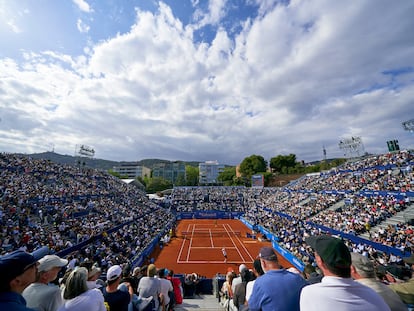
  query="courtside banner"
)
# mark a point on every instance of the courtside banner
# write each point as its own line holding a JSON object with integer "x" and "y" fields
{"x": 208, "y": 215}
{"x": 289, "y": 257}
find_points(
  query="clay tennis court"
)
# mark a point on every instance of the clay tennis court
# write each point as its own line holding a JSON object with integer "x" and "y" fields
{"x": 198, "y": 243}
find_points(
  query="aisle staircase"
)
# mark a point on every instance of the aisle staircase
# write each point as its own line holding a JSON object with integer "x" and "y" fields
{"x": 200, "y": 303}
{"x": 404, "y": 216}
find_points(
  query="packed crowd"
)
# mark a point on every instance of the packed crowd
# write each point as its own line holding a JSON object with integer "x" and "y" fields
{"x": 52, "y": 283}
{"x": 332, "y": 199}
{"x": 58, "y": 206}
{"x": 189, "y": 199}
{"x": 340, "y": 280}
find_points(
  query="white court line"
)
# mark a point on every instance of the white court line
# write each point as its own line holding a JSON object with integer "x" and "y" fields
{"x": 182, "y": 246}
{"x": 241, "y": 243}
{"x": 191, "y": 242}
{"x": 241, "y": 256}
{"x": 217, "y": 247}
{"x": 211, "y": 262}
{"x": 211, "y": 239}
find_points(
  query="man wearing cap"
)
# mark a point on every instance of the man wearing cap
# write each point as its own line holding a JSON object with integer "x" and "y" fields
{"x": 41, "y": 295}
{"x": 17, "y": 271}
{"x": 363, "y": 271}
{"x": 277, "y": 289}
{"x": 406, "y": 289}
{"x": 337, "y": 290}
{"x": 116, "y": 299}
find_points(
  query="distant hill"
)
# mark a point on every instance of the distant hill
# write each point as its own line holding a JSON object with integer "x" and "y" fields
{"x": 75, "y": 161}
{"x": 99, "y": 164}
{"x": 151, "y": 162}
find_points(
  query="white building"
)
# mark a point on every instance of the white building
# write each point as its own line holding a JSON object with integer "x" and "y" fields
{"x": 132, "y": 170}
{"x": 209, "y": 171}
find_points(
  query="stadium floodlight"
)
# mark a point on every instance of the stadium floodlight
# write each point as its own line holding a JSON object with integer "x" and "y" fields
{"x": 408, "y": 125}
{"x": 82, "y": 152}
{"x": 352, "y": 147}
{"x": 85, "y": 151}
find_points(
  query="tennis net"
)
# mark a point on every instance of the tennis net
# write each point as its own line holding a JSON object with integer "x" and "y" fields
{"x": 209, "y": 233}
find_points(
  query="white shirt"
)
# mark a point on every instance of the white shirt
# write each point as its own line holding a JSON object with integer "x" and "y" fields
{"x": 340, "y": 294}
{"x": 43, "y": 297}
{"x": 91, "y": 300}
{"x": 166, "y": 286}
{"x": 249, "y": 289}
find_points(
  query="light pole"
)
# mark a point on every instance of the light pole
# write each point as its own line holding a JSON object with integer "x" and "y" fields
{"x": 408, "y": 125}
{"x": 352, "y": 146}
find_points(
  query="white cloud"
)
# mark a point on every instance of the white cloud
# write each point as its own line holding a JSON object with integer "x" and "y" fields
{"x": 213, "y": 16}
{"x": 82, "y": 27}
{"x": 295, "y": 79}
{"x": 12, "y": 25}
{"x": 83, "y": 6}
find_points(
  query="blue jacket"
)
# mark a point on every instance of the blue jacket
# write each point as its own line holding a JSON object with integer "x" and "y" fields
{"x": 276, "y": 290}
{"x": 12, "y": 301}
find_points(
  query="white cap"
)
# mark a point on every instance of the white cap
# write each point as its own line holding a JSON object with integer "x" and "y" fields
{"x": 113, "y": 273}
{"x": 51, "y": 261}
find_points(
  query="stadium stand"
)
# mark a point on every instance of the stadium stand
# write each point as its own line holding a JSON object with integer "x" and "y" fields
{"x": 88, "y": 215}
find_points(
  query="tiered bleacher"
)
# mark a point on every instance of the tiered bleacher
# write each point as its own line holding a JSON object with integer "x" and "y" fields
{"x": 89, "y": 215}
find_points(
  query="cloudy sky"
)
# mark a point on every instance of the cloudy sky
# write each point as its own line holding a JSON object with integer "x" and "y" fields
{"x": 202, "y": 80}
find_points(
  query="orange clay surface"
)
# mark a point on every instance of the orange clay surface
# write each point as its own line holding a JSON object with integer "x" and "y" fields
{"x": 200, "y": 251}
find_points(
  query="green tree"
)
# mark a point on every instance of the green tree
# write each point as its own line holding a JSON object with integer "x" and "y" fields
{"x": 281, "y": 163}
{"x": 116, "y": 174}
{"x": 252, "y": 165}
{"x": 192, "y": 173}
{"x": 180, "y": 181}
{"x": 156, "y": 184}
{"x": 267, "y": 176}
{"x": 227, "y": 176}
{"x": 142, "y": 181}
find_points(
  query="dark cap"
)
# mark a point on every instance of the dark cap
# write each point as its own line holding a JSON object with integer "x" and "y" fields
{"x": 15, "y": 264}
{"x": 267, "y": 253}
{"x": 333, "y": 251}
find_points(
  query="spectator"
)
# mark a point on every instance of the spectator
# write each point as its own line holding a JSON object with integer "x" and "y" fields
{"x": 257, "y": 271}
{"x": 311, "y": 275}
{"x": 239, "y": 296}
{"x": 17, "y": 271}
{"x": 277, "y": 289}
{"x": 137, "y": 303}
{"x": 190, "y": 285}
{"x": 150, "y": 286}
{"x": 41, "y": 295}
{"x": 93, "y": 277}
{"x": 226, "y": 292}
{"x": 363, "y": 271}
{"x": 135, "y": 278}
{"x": 129, "y": 278}
{"x": 238, "y": 279}
{"x": 166, "y": 289}
{"x": 115, "y": 298}
{"x": 406, "y": 289}
{"x": 337, "y": 291}
{"x": 177, "y": 287}
{"x": 77, "y": 295}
